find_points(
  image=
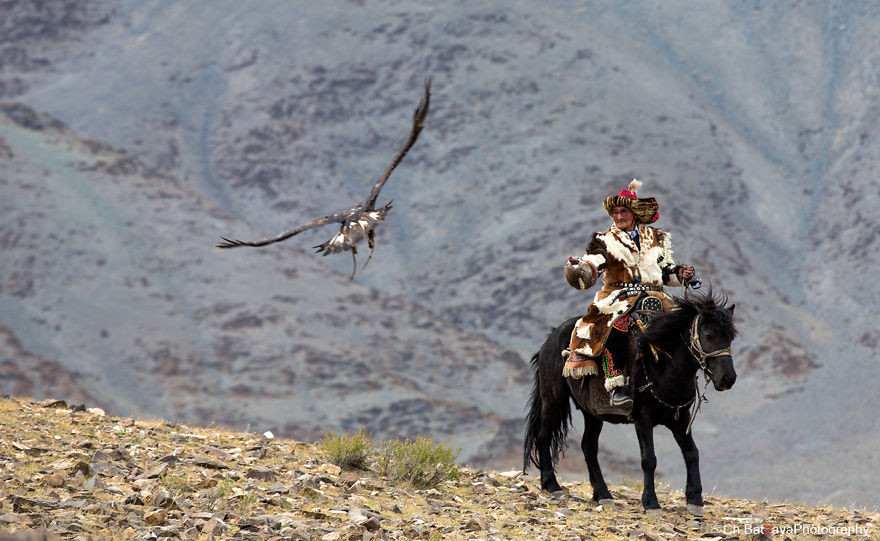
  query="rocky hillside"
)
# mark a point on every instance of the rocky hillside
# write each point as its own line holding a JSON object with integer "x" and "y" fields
{"x": 135, "y": 133}
{"x": 73, "y": 473}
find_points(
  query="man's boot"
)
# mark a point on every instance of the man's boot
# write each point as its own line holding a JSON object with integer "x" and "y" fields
{"x": 619, "y": 396}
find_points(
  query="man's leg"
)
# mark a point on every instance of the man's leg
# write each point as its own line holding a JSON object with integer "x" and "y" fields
{"x": 614, "y": 362}
{"x": 578, "y": 365}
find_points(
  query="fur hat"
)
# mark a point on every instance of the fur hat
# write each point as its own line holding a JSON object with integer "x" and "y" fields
{"x": 645, "y": 209}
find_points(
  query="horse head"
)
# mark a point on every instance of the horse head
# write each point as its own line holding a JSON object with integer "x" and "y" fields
{"x": 711, "y": 335}
{"x": 703, "y": 325}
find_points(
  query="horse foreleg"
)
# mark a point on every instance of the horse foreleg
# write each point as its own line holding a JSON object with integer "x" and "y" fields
{"x": 645, "y": 433}
{"x": 590, "y": 447}
{"x": 694, "y": 488}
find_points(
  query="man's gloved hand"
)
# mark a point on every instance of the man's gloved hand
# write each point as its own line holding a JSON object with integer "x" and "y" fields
{"x": 686, "y": 272}
{"x": 580, "y": 274}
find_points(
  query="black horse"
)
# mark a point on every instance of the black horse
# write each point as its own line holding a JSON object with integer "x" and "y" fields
{"x": 696, "y": 335}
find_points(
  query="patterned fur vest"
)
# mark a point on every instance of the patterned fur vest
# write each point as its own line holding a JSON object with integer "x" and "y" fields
{"x": 616, "y": 255}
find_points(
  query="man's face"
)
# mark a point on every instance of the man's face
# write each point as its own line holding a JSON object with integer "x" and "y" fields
{"x": 623, "y": 218}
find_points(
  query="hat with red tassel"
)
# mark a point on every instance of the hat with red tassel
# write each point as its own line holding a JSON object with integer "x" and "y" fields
{"x": 645, "y": 210}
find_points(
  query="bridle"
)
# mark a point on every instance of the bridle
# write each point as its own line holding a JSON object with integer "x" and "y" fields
{"x": 695, "y": 348}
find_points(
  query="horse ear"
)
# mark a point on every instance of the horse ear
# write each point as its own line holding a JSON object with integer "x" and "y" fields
{"x": 732, "y": 308}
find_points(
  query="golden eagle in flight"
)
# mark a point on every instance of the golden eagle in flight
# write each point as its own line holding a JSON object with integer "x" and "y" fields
{"x": 359, "y": 220}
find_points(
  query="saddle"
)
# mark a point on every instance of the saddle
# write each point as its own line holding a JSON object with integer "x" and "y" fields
{"x": 645, "y": 308}
{"x": 629, "y": 326}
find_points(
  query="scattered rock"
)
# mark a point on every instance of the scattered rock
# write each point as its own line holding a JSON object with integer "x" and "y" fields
{"x": 94, "y": 483}
{"x": 163, "y": 499}
{"x": 332, "y": 469}
{"x": 133, "y": 499}
{"x": 31, "y": 451}
{"x": 262, "y": 474}
{"x": 371, "y": 524}
{"x": 480, "y": 488}
{"x": 296, "y": 534}
{"x": 52, "y": 403}
{"x": 83, "y": 469}
{"x": 35, "y": 535}
{"x": 414, "y": 532}
{"x": 109, "y": 469}
{"x": 477, "y": 524}
{"x": 17, "y": 519}
{"x": 155, "y": 471}
{"x": 55, "y": 480}
{"x": 207, "y": 482}
{"x": 278, "y": 488}
{"x": 155, "y": 517}
{"x": 205, "y": 462}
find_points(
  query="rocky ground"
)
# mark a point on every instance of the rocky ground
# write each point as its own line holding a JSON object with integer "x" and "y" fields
{"x": 74, "y": 473}
{"x": 134, "y": 133}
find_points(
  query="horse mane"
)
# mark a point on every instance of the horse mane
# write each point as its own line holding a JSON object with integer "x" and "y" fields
{"x": 667, "y": 328}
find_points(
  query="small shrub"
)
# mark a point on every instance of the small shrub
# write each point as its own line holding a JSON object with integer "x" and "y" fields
{"x": 422, "y": 462}
{"x": 246, "y": 502}
{"x": 175, "y": 484}
{"x": 223, "y": 489}
{"x": 630, "y": 483}
{"x": 347, "y": 451}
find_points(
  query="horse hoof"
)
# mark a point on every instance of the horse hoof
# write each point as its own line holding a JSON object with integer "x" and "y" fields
{"x": 695, "y": 510}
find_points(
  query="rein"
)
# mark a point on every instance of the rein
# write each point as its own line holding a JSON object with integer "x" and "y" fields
{"x": 695, "y": 348}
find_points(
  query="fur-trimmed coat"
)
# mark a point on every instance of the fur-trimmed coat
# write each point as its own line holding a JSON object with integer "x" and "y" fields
{"x": 616, "y": 256}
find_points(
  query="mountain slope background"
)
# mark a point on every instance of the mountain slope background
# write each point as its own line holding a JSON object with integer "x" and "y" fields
{"x": 134, "y": 134}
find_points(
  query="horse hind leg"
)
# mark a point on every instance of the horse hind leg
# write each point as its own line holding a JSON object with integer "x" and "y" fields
{"x": 546, "y": 425}
{"x": 590, "y": 447}
{"x": 546, "y": 457}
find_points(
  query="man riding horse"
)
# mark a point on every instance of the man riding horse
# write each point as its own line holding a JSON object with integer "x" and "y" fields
{"x": 635, "y": 260}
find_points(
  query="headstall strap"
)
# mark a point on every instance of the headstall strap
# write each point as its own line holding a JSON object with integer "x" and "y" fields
{"x": 696, "y": 347}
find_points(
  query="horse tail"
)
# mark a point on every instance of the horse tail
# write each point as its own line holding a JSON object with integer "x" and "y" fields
{"x": 549, "y": 415}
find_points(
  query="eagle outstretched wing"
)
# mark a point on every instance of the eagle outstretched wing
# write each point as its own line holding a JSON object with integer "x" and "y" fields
{"x": 418, "y": 123}
{"x": 332, "y": 218}
{"x": 359, "y": 220}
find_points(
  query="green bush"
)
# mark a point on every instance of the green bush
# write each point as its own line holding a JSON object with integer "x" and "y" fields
{"x": 347, "y": 451}
{"x": 422, "y": 462}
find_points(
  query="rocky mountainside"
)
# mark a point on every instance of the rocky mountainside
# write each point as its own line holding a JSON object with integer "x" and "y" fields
{"x": 134, "y": 134}
{"x": 74, "y": 473}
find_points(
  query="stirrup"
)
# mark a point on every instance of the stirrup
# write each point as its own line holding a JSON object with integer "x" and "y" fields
{"x": 619, "y": 397}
